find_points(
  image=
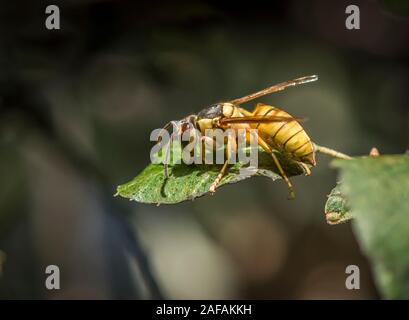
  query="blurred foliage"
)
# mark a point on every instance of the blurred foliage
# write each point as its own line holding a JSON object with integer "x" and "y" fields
{"x": 398, "y": 7}
{"x": 12, "y": 186}
{"x": 2, "y": 260}
{"x": 93, "y": 91}
{"x": 187, "y": 182}
{"x": 378, "y": 192}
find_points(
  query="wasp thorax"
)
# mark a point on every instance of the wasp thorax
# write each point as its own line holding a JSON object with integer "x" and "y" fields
{"x": 228, "y": 109}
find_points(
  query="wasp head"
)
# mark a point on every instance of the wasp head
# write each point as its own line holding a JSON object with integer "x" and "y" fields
{"x": 208, "y": 117}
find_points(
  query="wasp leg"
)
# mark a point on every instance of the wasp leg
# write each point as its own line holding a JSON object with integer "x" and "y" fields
{"x": 231, "y": 148}
{"x": 266, "y": 147}
{"x": 245, "y": 112}
{"x": 207, "y": 143}
{"x": 306, "y": 168}
{"x": 219, "y": 177}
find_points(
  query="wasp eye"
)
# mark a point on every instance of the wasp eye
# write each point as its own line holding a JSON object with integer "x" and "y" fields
{"x": 211, "y": 112}
{"x": 185, "y": 126}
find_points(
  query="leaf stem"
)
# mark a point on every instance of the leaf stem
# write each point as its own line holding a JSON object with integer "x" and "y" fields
{"x": 331, "y": 152}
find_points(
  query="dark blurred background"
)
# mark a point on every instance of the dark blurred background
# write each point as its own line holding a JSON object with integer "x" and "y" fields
{"x": 77, "y": 106}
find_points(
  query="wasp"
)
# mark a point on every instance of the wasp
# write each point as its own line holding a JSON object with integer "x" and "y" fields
{"x": 277, "y": 129}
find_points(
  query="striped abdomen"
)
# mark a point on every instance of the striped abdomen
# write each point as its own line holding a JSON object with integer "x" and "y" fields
{"x": 288, "y": 137}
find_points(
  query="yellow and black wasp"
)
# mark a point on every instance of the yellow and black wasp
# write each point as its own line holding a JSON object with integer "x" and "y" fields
{"x": 276, "y": 128}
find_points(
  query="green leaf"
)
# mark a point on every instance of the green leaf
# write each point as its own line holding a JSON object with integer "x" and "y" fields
{"x": 378, "y": 192}
{"x": 187, "y": 182}
{"x": 337, "y": 209}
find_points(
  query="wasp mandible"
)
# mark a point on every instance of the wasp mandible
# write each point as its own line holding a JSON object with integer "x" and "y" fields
{"x": 276, "y": 129}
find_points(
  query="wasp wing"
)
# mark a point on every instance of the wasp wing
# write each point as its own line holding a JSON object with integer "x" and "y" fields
{"x": 258, "y": 119}
{"x": 275, "y": 88}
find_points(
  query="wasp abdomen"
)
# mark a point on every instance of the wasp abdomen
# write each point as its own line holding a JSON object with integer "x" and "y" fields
{"x": 288, "y": 137}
